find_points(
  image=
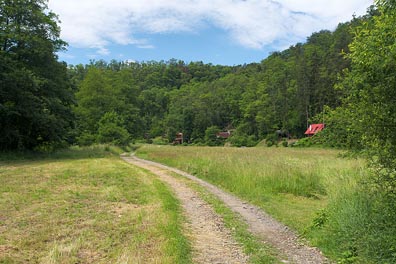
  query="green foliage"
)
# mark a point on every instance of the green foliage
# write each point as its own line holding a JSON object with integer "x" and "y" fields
{"x": 164, "y": 98}
{"x": 239, "y": 139}
{"x": 36, "y": 96}
{"x": 304, "y": 142}
{"x": 359, "y": 224}
{"x": 211, "y": 138}
{"x": 160, "y": 141}
{"x": 341, "y": 131}
{"x": 271, "y": 139}
{"x": 370, "y": 85}
{"x": 111, "y": 130}
{"x": 320, "y": 219}
{"x": 86, "y": 139}
{"x": 360, "y": 219}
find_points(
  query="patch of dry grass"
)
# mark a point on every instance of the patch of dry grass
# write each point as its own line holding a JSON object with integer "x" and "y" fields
{"x": 88, "y": 210}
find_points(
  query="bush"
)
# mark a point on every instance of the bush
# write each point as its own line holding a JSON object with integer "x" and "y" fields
{"x": 359, "y": 223}
{"x": 86, "y": 139}
{"x": 111, "y": 130}
{"x": 304, "y": 142}
{"x": 340, "y": 132}
{"x": 211, "y": 138}
{"x": 251, "y": 141}
{"x": 271, "y": 139}
{"x": 237, "y": 140}
{"x": 160, "y": 141}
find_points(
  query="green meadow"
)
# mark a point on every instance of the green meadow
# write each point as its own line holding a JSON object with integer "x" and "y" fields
{"x": 291, "y": 184}
{"x": 314, "y": 191}
{"x": 86, "y": 206}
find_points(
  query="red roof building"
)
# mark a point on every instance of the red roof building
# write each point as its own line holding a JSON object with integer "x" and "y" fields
{"x": 224, "y": 135}
{"x": 313, "y": 129}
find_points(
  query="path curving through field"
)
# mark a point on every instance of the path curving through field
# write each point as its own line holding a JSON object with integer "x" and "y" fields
{"x": 212, "y": 242}
{"x": 259, "y": 222}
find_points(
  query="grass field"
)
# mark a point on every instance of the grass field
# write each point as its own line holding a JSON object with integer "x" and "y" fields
{"x": 296, "y": 186}
{"x": 291, "y": 184}
{"x": 86, "y": 206}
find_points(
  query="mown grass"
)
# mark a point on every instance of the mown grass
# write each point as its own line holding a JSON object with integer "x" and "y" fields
{"x": 303, "y": 188}
{"x": 86, "y": 206}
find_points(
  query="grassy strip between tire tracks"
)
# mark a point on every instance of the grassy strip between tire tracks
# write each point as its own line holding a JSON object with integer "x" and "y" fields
{"x": 258, "y": 251}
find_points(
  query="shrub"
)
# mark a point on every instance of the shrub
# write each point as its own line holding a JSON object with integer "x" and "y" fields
{"x": 160, "y": 141}
{"x": 304, "y": 142}
{"x": 238, "y": 140}
{"x": 211, "y": 138}
{"x": 251, "y": 141}
{"x": 359, "y": 223}
{"x": 271, "y": 139}
{"x": 86, "y": 139}
{"x": 111, "y": 130}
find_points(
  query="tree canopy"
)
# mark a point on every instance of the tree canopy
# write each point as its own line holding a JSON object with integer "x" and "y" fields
{"x": 371, "y": 89}
{"x": 34, "y": 87}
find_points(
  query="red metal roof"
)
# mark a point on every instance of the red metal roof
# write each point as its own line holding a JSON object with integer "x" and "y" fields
{"x": 224, "y": 134}
{"x": 314, "y": 128}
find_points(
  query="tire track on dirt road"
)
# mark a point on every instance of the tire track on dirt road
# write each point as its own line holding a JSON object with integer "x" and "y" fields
{"x": 259, "y": 222}
{"x": 212, "y": 242}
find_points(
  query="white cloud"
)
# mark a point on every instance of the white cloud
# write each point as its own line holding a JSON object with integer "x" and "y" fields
{"x": 250, "y": 23}
{"x": 148, "y": 46}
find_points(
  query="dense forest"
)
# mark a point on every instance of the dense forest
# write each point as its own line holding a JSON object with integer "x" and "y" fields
{"x": 46, "y": 103}
{"x": 157, "y": 99}
{"x": 118, "y": 101}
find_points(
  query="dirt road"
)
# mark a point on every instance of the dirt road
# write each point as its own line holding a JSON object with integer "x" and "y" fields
{"x": 212, "y": 239}
{"x": 212, "y": 242}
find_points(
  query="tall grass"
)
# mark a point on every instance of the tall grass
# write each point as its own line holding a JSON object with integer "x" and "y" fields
{"x": 291, "y": 184}
{"x": 358, "y": 226}
{"x": 73, "y": 152}
{"x": 317, "y": 192}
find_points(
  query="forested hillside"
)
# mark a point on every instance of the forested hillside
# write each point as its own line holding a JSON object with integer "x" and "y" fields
{"x": 45, "y": 104}
{"x": 118, "y": 100}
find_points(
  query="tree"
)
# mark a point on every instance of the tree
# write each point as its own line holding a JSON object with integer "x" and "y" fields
{"x": 103, "y": 91}
{"x": 35, "y": 93}
{"x": 112, "y": 129}
{"x": 370, "y": 85}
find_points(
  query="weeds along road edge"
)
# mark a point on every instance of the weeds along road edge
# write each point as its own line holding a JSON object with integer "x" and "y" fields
{"x": 259, "y": 222}
{"x": 211, "y": 240}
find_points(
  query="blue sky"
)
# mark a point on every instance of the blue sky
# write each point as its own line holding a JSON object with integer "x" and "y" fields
{"x": 227, "y": 32}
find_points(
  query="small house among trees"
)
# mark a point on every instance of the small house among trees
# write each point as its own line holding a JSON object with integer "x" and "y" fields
{"x": 223, "y": 134}
{"x": 313, "y": 129}
{"x": 178, "y": 139}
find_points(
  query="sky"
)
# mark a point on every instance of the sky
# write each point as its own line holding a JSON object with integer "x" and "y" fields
{"x": 226, "y": 32}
